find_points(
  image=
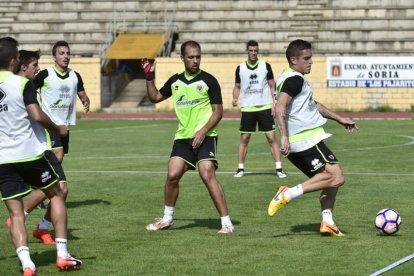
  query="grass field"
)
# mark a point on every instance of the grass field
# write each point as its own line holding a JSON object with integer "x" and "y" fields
{"x": 116, "y": 172}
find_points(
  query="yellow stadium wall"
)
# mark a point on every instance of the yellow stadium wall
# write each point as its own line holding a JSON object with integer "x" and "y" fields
{"x": 343, "y": 99}
{"x": 90, "y": 71}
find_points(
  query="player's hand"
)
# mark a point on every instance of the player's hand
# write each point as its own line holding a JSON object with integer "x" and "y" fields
{"x": 198, "y": 138}
{"x": 149, "y": 69}
{"x": 284, "y": 145}
{"x": 349, "y": 124}
{"x": 63, "y": 130}
{"x": 274, "y": 110}
{"x": 86, "y": 103}
{"x": 234, "y": 102}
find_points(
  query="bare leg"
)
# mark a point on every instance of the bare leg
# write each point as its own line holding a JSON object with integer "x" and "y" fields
{"x": 59, "y": 154}
{"x": 274, "y": 146}
{"x": 17, "y": 230}
{"x": 33, "y": 200}
{"x": 58, "y": 212}
{"x": 64, "y": 189}
{"x": 327, "y": 198}
{"x": 330, "y": 177}
{"x": 208, "y": 175}
{"x": 176, "y": 169}
{"x": 243, "y": 145}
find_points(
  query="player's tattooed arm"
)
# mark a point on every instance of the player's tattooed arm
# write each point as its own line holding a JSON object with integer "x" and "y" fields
{"x": 325, "y": 112}
{"x": 347, "y": 122}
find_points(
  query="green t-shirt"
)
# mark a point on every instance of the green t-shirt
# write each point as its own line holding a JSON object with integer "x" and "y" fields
{"x": 192, "y": 98}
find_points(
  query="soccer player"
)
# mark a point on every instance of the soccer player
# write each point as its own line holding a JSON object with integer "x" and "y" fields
{"x": 198, "y": 106}
{"x": 255, "y": 86}
{"x": 58, "y": 87}
{"x": 28, "y": 67}
{"x": 23, "y": 159}
{"x": 301, "y": 119}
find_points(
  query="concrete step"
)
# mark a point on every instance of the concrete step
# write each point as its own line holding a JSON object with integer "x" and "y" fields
{"x": 70, "y": 35}
{"x": 132, "y": 95}
{"x": 349, "y": 46}
{"x": 317, "y": 24}
{"x": 334, "y": 35}
{"x": 157, "y": 4}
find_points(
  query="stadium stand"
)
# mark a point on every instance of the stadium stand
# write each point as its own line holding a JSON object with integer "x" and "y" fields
{"x": 334, "y": 26}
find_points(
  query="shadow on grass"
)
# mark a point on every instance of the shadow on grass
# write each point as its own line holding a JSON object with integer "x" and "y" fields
{"x": 258, "y": 173}
{"x": 11, "y": 257}
{"x": 74, "y": 204}
{"x": 47, "y": 257}
{"x": 303, "y": 229}
{"x": 207, "y": 223}
{"x": 311, "y": 227}
{"x": 70, "y": 236}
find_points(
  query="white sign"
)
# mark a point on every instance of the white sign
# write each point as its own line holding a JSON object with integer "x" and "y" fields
{"x": 375, "y": 71}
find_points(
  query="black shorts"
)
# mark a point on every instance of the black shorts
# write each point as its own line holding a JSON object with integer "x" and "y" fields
{"x": 56, "y": 165}
{"x": 183, "y": 149}
{"x": 59, "y": 141}
{"x": 15, "y": 177}
{"x": 262, "y": 119}
{"x": 311, "y": 160}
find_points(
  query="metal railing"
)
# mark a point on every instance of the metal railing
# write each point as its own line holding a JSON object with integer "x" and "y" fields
{"x": 120, "y": 24}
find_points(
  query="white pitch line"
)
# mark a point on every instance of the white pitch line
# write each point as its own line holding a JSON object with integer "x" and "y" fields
{"x": 391, "y": 266}
{"x": 111, "y": 128}
{"x": 141, "y": 156}
{"x": 382, "y": 147}
{"x": 220, "y": 172}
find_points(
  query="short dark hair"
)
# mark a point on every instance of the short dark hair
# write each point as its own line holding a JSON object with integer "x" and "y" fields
{"x": 26, "y": 57}
{"x": 296, "y": 47}
{"x": 190, "y": 43}
{"x": 8, "y": 51}
{"x": 252, "y": 43}
{"x": 59, "y": 43}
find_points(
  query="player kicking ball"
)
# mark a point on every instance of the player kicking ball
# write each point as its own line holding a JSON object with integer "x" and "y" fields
{"x": 300, "y": 120}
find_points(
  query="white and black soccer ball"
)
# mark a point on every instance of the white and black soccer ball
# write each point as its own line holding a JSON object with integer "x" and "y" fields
{"x": 388, "y": 221}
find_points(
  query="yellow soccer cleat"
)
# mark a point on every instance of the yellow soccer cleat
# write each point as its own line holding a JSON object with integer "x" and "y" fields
{"x": 278, "y": 202}
{"x": 330, "y": 230}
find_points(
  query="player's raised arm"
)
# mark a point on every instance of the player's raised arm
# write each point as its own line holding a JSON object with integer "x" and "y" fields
{"x": 149, "y": 69}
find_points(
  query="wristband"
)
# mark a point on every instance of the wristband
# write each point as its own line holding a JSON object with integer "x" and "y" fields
{"x": 148, "y": 74}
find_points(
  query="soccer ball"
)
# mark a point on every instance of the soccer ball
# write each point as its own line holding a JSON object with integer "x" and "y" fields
{"x": 388, "y": 221}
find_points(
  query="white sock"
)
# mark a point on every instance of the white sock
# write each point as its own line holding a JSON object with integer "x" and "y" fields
{"x": 278, "y": 165}
{"x": 44, "y": 224}
{"x": 294, "y": 192}
{"x": 168, "y": 213}
{"x": 241, "y": 166}
{"x": 24, "y": 257}
{"x": 62, "y": 247}
{"x": 225, "y": 221}
{"x": 327, "y": 216}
